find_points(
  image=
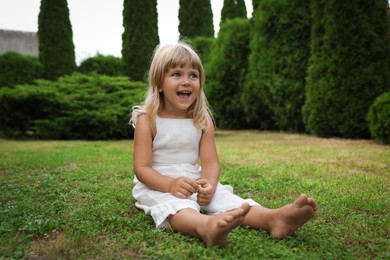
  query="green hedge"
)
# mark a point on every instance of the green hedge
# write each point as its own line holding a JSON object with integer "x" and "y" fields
{"x": 278, "y": 62}
{"x": 105, "y": 65}
{"x": 16, "y": 69}
{"x": 75, "y": 107}
{"x": 227, "y": 69}
{"x": 379, "y": 118}
{"x": 348, "y": 68}
{"x": 203, "y": 46}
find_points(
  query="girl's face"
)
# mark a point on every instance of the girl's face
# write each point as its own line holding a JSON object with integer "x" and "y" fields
{"x": 180, "y": 88}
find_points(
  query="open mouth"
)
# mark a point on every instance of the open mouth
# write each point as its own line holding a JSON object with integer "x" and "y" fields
{"x": 184, "y": 94}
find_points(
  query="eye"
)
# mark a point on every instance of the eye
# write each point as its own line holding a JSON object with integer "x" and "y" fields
{"x": 194, "y": 76}
{"x": 176, "y": 75}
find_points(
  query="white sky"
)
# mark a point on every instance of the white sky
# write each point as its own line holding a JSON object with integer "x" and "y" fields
{"x": 97, "y": 24}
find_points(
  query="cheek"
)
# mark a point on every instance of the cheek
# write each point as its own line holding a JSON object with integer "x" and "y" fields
{"x": 196, "y": 94}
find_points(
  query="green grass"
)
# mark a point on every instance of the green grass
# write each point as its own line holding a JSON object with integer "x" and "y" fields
{"x": 72, "y": 199}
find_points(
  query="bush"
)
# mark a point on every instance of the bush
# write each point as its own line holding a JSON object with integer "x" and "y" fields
{"x": 279, "y": 57}
{"x": 348, "y": 68}
{"x": 232, "y": 9}
{"x": 140, "y": 36}
{"x": 19, "y": 69}
{"x": 203, "y": 46}
{"x": 56, "y": 47}
{"x": 105, "y": 65}
{"x": 75, "y": 107}
{"x": 21, "y": 105}
{"x": 226, "y": 73}
{"x": 195, "y": 19}
{"x": 379, "y": 118}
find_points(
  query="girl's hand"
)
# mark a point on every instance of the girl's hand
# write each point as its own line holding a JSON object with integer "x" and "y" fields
{"x": 183, "y": 187}
{"x": 205, "y": 192}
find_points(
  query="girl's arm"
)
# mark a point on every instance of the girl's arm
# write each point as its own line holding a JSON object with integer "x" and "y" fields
{"x": 209, "y": 158}
{"x": 142, "y": 164}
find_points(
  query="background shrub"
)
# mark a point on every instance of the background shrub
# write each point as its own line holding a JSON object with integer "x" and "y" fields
{"x": 195, "y": 19}
{"x": 16, "y": 69}
{"x": 232, "y": 9}
{"x": 279, "y": 58}
{"x": 75, "y": 107}
{"x": 21, "y": 105}
{"x": 379, "y": 118}
{"x": 348, "y": 68}
{"x": 140, "y": 36}
{"x": 203, "y": 46}
{"x": 105, "y": 65}
{"x": 55, "y": 35}
{"x": 227, "y": 70}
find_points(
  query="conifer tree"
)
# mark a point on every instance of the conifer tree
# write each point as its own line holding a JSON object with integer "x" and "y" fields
{"x": 140, "y": 36}
{"x": 349, "y": 66}
{"x": 56, "y": 48}
{"x": 195, "y": 19}
{"x": 255, "y": 4}
{"x": 227, "y": 69}
{"x": 233, "y": 9}
{"x": 278, "y": 63}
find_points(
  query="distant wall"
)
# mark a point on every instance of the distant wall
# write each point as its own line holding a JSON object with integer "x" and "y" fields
{"x": 20, "y": 42}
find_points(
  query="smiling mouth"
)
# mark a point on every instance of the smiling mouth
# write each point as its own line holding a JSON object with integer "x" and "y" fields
{"x": 184, "y": 94}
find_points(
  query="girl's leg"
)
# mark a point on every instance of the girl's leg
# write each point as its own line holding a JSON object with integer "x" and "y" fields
{"x": 283, "y": 221}
{"x": 212, "y": 230}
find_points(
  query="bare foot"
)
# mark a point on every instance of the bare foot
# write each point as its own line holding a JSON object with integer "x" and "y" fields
{"x": 217, "y": 228}
{"x": 289, "y": 218}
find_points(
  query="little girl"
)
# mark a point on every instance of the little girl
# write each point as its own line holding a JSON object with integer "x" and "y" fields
{"x": 173, "y": 132}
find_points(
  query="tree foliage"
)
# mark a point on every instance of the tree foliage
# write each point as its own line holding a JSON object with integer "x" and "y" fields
{"x": 56, "y": 48}
{"x": 349, "y": 66}
{"x": 18, "y": 69}
{"x": 379, "y": 118}
{"x": 105, "y": 65}
{"x": 255, "y": 4}
{"x": 74, "y": 107}
{"x": 140, "y": 36}
{"x": 203, "y": 46}
{"x": 233, "y": 9}
{"x": 227, "y": 70}
{"x": 195, "y": 19}
{"x": 279, "y": 58}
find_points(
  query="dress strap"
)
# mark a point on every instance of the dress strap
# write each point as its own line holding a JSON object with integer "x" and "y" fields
{"x": 137, "y": 111}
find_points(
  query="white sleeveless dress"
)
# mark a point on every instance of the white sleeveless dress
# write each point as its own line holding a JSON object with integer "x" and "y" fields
{"x": 176, "y": 154}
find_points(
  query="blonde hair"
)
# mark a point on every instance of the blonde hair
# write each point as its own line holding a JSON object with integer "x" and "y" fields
{"x": 166, "y": 57}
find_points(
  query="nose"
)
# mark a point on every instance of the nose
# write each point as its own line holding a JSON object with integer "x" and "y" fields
{"x": 186, "y": 81}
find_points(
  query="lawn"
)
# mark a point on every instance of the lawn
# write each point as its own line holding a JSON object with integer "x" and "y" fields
{"x": 72, "y": 199}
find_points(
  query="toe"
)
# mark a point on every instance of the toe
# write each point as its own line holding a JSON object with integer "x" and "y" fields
{"x": 313, "y": 203}
{"x": 302, "y": 200}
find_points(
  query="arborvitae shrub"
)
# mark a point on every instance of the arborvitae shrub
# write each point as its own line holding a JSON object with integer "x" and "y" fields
{"x": 105, "y": 65}
{"x": 203, "y": 46}
{"x": 279, "y": 58}
{"x": 226, "y": 73}
{"x": 75, "y": 107}
{"x": 195, "y": 19}
{"x": 140, "y": 36}
{"x": 233, "y": 9}
{"x": 379, "y": 118}
{"x": 16, "y": 69}
{"x": 348, "y": 68}
{"x": 56, "y": 48}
